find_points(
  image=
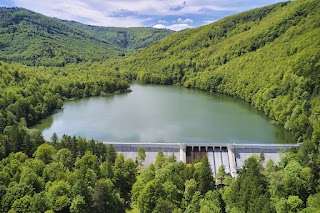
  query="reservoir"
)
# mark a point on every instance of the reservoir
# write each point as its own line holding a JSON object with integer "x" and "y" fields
{"x": 152, "y": 113}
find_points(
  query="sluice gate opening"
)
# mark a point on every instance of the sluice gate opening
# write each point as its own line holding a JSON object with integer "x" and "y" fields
{"x": 217, "y": 156}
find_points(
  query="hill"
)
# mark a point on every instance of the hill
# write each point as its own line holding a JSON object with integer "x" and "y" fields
{"x": 267, "y": 56}
{"x": 132, "y": 38}
{"x": 35, "y": 39}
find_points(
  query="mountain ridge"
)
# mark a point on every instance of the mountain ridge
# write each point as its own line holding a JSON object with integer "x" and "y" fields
{"x": 34, "y": 39}
{"x": 267, "y": 56}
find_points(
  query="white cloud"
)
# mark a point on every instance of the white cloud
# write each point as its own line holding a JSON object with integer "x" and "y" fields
{"x": 175, "y": 27}
{"x": 184, "y": 21}
{"x": 128, "y": 13}
{"x": 78, "y": 10}
{"x": 162, "y": 21}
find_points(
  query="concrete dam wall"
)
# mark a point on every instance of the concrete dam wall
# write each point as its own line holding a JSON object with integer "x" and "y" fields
{"x": 232, "y": 156}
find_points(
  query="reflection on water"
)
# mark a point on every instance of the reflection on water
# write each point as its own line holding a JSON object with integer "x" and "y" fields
{"x": 45, "y": 123}
{"x": 164, "y": 114}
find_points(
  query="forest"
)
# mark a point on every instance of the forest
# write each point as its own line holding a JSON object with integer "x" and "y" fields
{"x": 29, "y": 94}
{"x": 34, "y": 39}
{"x": 268, "y": 57}
{"x": 79, "y": 175}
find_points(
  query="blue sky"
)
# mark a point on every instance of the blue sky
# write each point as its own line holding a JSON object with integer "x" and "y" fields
{"x": 170, "y": 14}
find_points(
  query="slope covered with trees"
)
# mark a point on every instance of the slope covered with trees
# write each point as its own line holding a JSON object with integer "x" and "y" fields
{"x": 34, "y": 39}
{"x": 132, "y": 38}
{"x": 29, "y": 94}
{"x": 267, "y": 56}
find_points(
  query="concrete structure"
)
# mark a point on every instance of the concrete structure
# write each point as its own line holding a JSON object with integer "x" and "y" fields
{"x": 232, "y": 156}
{"x": 129, "y": 150}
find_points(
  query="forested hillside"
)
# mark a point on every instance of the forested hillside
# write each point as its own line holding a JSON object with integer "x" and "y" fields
{"x": 267, "y": 56}
{"x": 29, "y": 94}
{"x": 33, "y": 39}
{"x": 132, "y": 38}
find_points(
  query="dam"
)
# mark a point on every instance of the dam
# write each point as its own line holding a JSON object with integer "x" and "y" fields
{"x": 232, "y": 156}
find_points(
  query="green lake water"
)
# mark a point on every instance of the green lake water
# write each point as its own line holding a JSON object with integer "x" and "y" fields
{"x": 164, "y": 114}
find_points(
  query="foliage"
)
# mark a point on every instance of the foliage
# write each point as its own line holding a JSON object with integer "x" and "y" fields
{"x": 221, "y": 175}
{"x": 44, "y": 183}
{"x": 29, "y": 94}
{"x": 34, "y": 39}
{"x": 141, "y": 157}
{"x": 132, "y": 38}
{"x": 171, "y": 186}
{"x": 268, "y": 57}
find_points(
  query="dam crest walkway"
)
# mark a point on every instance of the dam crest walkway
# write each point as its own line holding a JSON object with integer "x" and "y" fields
{"x": 232, "y": 156}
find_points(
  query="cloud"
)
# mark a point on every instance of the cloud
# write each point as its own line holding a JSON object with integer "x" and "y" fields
{"x": 174, "y": 27}
{"x": 122, "y": 13}
{"x": 185, "y": 21}
{"x": 129, "y": 13}
{"x": 162, "y": 21}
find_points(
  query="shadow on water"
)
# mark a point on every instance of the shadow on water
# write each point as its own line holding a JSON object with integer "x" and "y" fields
{"x": 283, "y": 136}
{"x": 45, "y": 123}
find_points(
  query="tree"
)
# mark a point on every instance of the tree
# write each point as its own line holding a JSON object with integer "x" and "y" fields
{"x": 2, "y": 122}
{"x": 88, "y": 161}
{"x": 204, "y": 176}
{"x": 45, "y": 152}
{"x": 54, "y": 139}
{"x": 221, "y": 173}
{"x": 40, "y": 202}
{"x": 111, "y": 154}
{"x": 313, "y": 201}
{"x": 101, "y": 152}
{"x": 105, "y": 198}
{"x": 125, "y": 172}
{"x": 194, "y": 205}
{"x": 65, "y": 157}
{"x": 29, "y": 177}
{"x": 210, "y": 203}
{"x": 294, "y": 203}
{"x": 293, "y": 184}
{"x": 262, "y": 156}
{"x": 54, "y": 171}
{"x": 106, "y": 170}
{"x": 249, "y": 193}
{"x": 190, "y": 188}
{"x": 13, "y": 193}
{"x": 160, "y": 159}
{"x": 82, "y": 188}
{"x": 22, "y": 205}
{"x": 78, "y": 205}
{"x": 148, "y": 197}
{"x": 141, "y": 157}
{"x": 59, "y": 195}
{"x": 145, "y": 176}
{"x": 170, "y": 192}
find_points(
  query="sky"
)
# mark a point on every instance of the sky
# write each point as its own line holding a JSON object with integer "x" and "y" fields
{"x": 170, "y": 14}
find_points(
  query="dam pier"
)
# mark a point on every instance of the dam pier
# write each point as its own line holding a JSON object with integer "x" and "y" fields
{"x": 232, "y": 156}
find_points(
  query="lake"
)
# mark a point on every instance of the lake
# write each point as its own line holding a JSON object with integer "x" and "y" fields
{"x": 152, "y": 113}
